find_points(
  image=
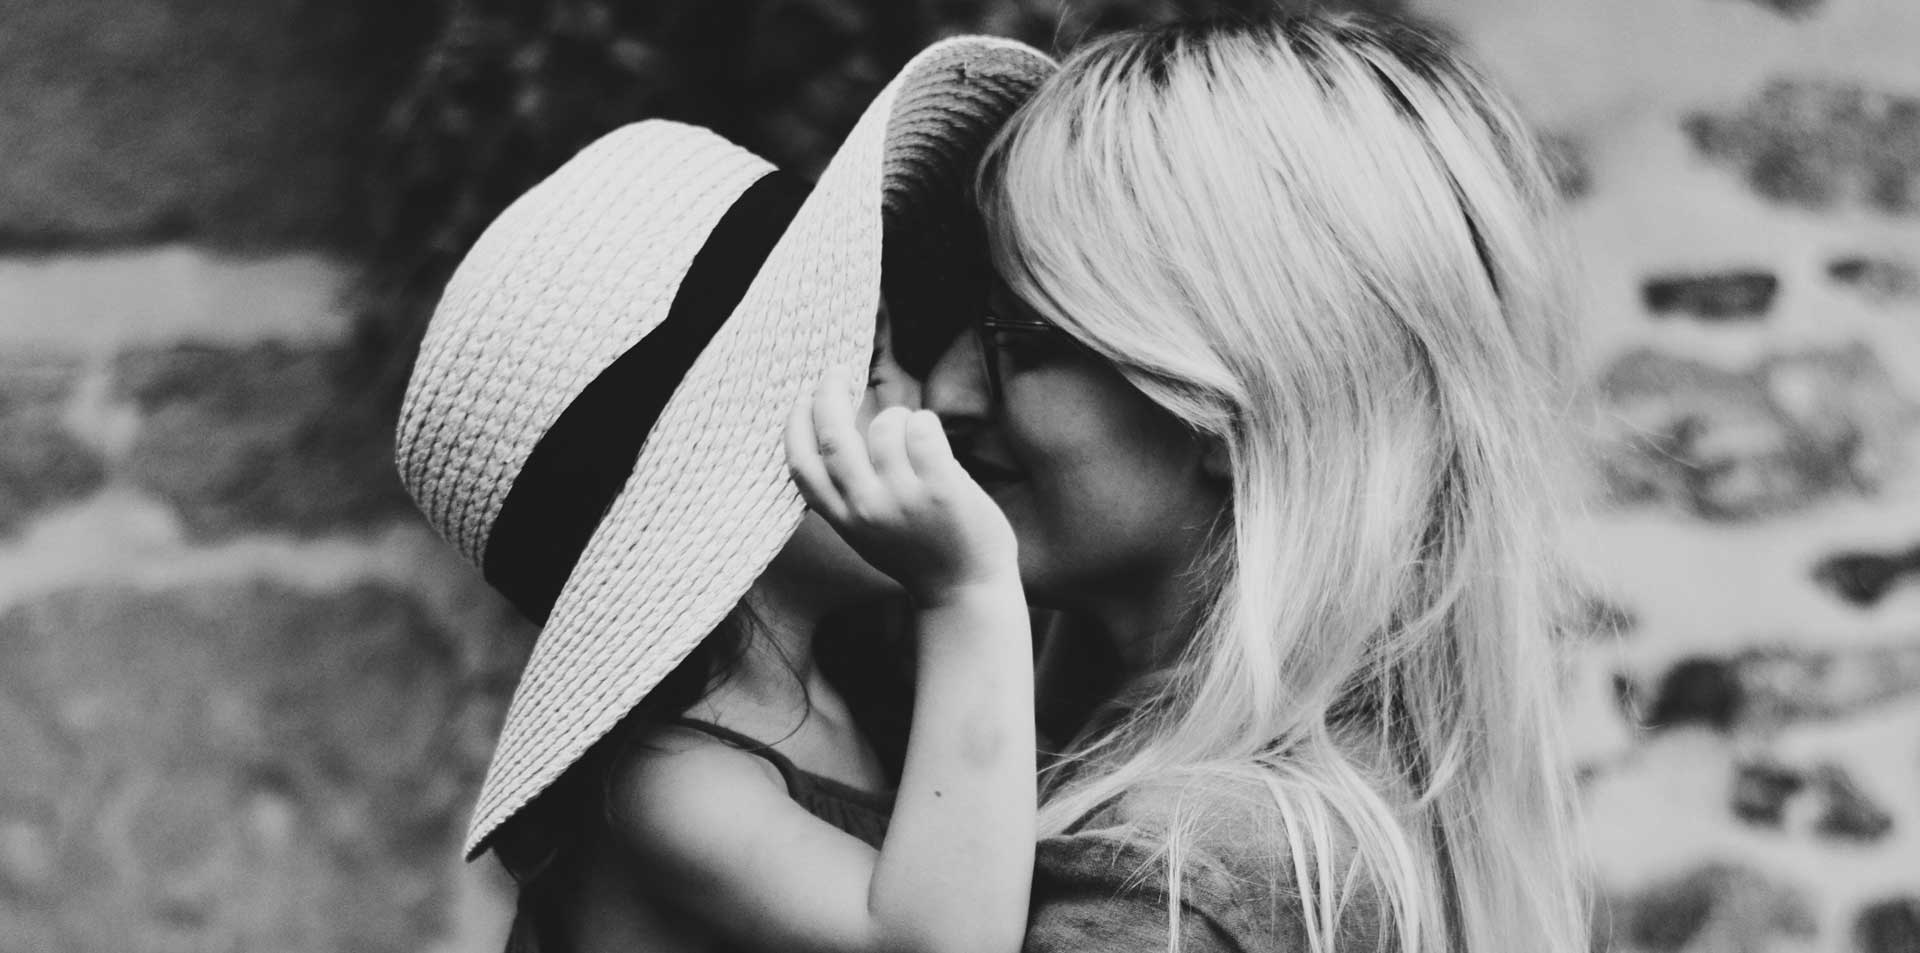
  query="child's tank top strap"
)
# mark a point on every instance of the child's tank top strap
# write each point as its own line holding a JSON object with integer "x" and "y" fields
{"x": 863, "y": 814}
{"x": 789, "y": 772}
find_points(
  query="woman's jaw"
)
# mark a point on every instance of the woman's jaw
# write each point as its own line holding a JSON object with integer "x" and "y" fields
{"x": 1105, "y": 490}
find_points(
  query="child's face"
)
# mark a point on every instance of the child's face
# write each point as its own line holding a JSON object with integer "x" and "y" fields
{"x": 816, "y": 555}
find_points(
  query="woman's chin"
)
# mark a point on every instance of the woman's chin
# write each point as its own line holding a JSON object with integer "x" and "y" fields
{"x": 1037, "y": 565}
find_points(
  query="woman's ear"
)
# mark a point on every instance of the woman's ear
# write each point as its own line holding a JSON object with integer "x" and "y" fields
{"x": 1213, "y": 457}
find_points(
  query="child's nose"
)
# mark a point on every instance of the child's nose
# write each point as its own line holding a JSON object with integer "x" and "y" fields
{"x": 956, "y": 387}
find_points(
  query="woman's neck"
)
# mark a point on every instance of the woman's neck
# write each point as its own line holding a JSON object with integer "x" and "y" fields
{"x": 1147, "y": 623}
{"x": 1101, "y": 655}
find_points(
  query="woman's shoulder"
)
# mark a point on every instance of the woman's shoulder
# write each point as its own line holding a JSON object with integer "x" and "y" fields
{"x": 1230, "y": 820}
{"x": 1236, "y": 864}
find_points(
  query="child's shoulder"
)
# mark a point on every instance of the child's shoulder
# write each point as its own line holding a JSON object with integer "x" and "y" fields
{"x": 665, "y": 778}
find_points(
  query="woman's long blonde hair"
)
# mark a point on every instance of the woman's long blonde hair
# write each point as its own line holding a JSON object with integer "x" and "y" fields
{"x": 1324, "y": 243}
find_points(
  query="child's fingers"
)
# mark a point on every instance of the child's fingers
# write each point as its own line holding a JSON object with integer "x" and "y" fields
{"x": 839, "y": 443}
{"x": 928, "y": 451}
{"x": 803, "y": 458}
{"x": 887, "y": 448}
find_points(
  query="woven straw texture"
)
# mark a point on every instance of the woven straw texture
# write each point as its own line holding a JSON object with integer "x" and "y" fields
{"x": 935, "y": 261}
{"x": 585, "y": 265}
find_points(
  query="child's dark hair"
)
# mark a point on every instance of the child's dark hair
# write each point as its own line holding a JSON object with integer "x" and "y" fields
{"x": 863, "y": 651}
{"x": 556, "y": 823}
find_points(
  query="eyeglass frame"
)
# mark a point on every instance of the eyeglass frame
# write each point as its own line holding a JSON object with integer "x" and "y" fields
{"x": 989, "y": 349}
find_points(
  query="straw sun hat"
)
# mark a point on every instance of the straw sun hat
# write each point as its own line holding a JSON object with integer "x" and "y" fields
{"x": 596, "y": 413}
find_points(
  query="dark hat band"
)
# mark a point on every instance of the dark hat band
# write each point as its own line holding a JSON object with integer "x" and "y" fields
{"x": 579, "y": 465}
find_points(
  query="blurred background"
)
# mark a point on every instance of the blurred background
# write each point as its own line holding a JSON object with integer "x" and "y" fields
{"x": 245, "y": 696}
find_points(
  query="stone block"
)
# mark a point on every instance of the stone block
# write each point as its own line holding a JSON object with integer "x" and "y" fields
{"x": 1720, "y": 296}
{"x": 1888, "y": 926}
{"x": 1878, "y": 278}
{"x": 1698, "y": 691}
{"x": 1718, "y": 907}
{"x": 1821, "y": 144}
{"x": 1786, "y": 685}
{"x": 1666, "y": 922}
{"x": 1795, "y": 429}
{"x": 260, "y": 438}
{"x": 234, "y": 123}
{"x": 1849, "y": 813}
{"x": 1763, "y": 688}
{"x": 240, "y": 767}
{"x": 42, "y": 463}
{"x": 1843, "y": 811}
{"x": 1761, "y": 790}
{"x": 1864, "y": 578}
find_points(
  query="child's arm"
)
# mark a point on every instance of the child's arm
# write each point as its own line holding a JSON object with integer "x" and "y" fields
{"x": 719, "y": 839}
{"x": 954, "y": 872}
{"x": 714, "y": 827}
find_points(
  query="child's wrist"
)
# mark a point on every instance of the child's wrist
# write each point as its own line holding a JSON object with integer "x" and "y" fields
{"x": 986, "y": 589}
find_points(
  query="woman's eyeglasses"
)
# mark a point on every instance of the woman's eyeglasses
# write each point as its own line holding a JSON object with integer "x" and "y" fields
{"x": 988, "y": 336}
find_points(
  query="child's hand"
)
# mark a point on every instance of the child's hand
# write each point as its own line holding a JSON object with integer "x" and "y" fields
{"x": 898, "y": 497}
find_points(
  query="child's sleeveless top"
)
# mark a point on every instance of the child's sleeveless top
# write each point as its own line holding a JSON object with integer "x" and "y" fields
{"x": 864, "y": 814}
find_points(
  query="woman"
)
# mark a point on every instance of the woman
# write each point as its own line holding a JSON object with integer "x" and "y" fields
{"x": 1270, "y": 397}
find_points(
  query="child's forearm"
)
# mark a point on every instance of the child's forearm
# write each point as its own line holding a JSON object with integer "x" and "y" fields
{"x": 953, "y": 875}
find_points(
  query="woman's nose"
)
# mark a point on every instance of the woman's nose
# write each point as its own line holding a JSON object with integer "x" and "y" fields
{"x": 956, "y": 388}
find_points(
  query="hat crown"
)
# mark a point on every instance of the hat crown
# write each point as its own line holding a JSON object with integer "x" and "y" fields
{"x": 533, "y": 314}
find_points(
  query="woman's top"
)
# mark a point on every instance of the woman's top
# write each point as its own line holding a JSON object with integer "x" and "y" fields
{"x": 1103, "y": 885}
{"x": 864, "y": 814}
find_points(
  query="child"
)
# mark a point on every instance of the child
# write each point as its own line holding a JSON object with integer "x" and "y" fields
{"x": 612, "y": 408}
{"x": 753, "y": 820}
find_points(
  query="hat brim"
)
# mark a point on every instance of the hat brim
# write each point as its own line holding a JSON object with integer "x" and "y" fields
{"x": 710, "y": 503}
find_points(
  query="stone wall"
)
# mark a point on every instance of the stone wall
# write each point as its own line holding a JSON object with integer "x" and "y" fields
{"x": 1748, "y": 715}
{"x": 246, "y": 695}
